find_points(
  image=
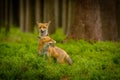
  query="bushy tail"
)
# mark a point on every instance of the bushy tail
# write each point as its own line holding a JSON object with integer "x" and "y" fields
{"x": 69, "y": 60}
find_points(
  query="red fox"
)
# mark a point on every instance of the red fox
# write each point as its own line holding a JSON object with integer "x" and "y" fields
{"x": 43, "y": 28}
{"x": 46, "y": 46}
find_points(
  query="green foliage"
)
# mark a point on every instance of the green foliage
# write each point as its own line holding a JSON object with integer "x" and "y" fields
{"x": 91, "y": 61}
{"x": 58, "y": 36}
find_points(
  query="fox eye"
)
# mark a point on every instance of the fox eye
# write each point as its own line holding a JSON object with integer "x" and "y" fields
{"x": 44, "y": 38}
{"x": 44, "y": 27}
{"x": 39, "y": 26}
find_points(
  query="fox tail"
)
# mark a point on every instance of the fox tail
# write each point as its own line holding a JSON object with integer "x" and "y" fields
{"x": 69, "y": 60}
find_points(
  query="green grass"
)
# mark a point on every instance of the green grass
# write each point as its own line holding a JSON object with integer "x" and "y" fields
{"x": 91, "y": 61}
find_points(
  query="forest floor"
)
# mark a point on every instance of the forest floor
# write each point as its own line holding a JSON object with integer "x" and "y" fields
{"x": 91, "y": 61}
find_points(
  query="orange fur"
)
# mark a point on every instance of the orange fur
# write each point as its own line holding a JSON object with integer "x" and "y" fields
{"x": 43, "y": 29}
{"x": 54, "y": 51}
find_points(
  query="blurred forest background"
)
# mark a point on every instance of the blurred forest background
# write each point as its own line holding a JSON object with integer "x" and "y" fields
{"x": 75, "y": 25}
{"x": 88, "y": 19}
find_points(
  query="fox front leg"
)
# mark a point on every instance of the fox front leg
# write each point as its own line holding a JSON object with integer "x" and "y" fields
{"x": 39, "y": 49}
{"x": 49, "y": 59}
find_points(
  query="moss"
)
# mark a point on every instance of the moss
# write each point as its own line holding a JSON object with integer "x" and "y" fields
{"x": 19, "y": 59}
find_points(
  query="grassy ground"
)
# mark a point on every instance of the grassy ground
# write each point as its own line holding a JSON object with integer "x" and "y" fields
{"x": 91, "y": 61}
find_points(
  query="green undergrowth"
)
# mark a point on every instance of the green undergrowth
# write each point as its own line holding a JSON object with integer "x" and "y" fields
{"x": 91, "y": 61}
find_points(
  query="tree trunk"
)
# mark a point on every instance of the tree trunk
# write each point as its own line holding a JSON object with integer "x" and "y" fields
{"x": 29, "y": 27}
{"x": 57, "y": 13}
{"x": 11, "y": 13}
{"x": 64, "y": 16}
{"x": 22, "y": 15}
{"x": 28, "y": 16}
{"x": 108, "y": 16}
{"x": 118, "y": 18}
{"x": 1, "y": 13}
{"x": 70, "y": 18}
{"x": 87, "y": 22}
{"x": 7, "y": 15}
{"x": 16, "y": 12}
{"x": 49, "y": 14}
{"x": 38, "y": 11}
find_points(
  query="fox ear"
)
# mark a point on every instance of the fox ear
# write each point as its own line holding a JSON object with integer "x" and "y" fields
{"x": 48, "y": 23}
{"x": 53, "y": 41}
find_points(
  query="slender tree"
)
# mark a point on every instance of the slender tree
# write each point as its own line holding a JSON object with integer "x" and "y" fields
{"x": 29, "y": 18}
{"x": 49, "y": 14}
{"x": 64, "y": 16}
{"x": 70, "y": 18}
{"x": 1, "y": 13}
{"x": 38, "y": 11}
{"x": 22, "y": 15}
{"x": 57, "y": 13}
{"x": 11, "y": 13}
{"x": 7, "y": 15}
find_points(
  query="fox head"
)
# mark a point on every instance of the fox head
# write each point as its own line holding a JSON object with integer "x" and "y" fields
{"x": 43, "y": 28}
{"x": 48, "y": 40}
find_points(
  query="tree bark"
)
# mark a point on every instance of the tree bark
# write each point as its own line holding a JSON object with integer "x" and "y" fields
{"x": 22, "y": 15}
{"x": 38, "y": 11}
{"x": 118, "y": 17}
{"x": 28, "y": 15}
{"x": 11, "y": 13}
{"x": 108, "y": 16}
{"x": 87, "y": 22}
{"x": 70, "y": 18}
{"x": 29, "y": 27}
{"x": 64, "y": 16}
{"x": 1, "y": 13}
{"x": 49, "y": 14}
{"x": 57, "y": 13}
{"x": 7, "y": 16}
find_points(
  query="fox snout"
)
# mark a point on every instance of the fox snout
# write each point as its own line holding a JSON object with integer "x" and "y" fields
{"x": 42, "y": 31}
